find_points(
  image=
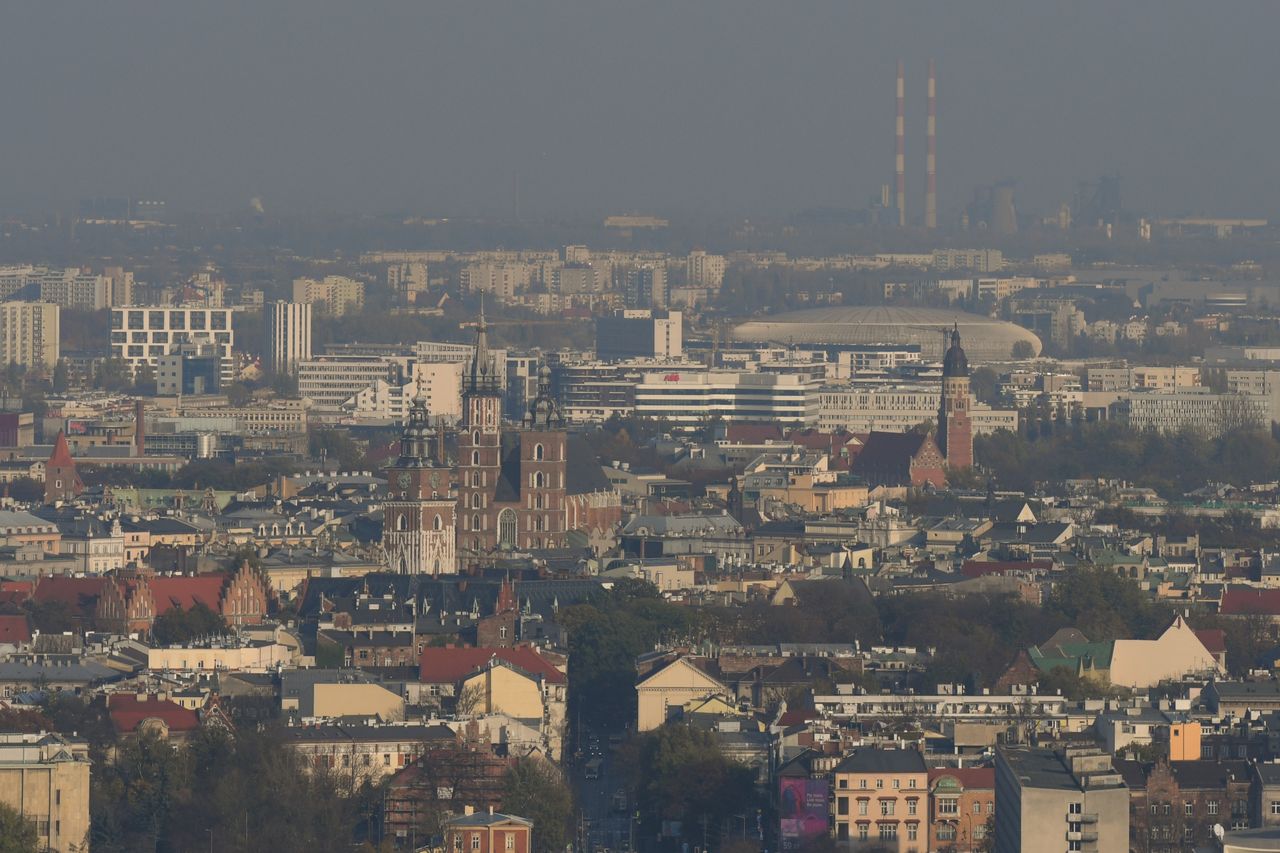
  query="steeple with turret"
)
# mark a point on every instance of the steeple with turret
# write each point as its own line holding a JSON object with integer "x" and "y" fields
{"x": 955, "y": 429}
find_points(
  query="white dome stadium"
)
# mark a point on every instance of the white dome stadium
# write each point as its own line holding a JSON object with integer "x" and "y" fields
{"x": 983, "y": 338}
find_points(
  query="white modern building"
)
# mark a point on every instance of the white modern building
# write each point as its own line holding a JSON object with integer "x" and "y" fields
{"x": 288, "y": 329}
{"x": 141, "y": 335}
{"x": 898, "y": 408}
{"x": 689, "y": 398}
{"x": 440, "y": 385}
{"x": 328, "y": 381}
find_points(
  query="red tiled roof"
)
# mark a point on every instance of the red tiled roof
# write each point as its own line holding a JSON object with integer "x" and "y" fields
{"x": 449, "y": 666}
{"x": 61, "y": 455}
{"x": 978, "y": 568}
{"x": 1214, "y": 640}
{"x": 969, "y": 777}
{"x": 185, "y": 592}
{"x": 1238, "y": 600}
{"x": 76, "y": 593}
{"x": 752, "y": 433}
{"x": 798, "y": 716}
{"x": 14, "y": 629}
{"x": 127, "y": 712}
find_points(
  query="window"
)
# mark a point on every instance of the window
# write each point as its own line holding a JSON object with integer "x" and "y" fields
{"x": 475, "y": 841}
{"x": 507, "y": 528}
{"x": 1075, "y": 808}
{"x": 438, "y": 524}
{"x": 977, "y": 808}
{"x": 896, "y": 783}
{"x": 842, "y": 806}
{"x": 911, "y": 807}
{"x": 1073, "y": 846}
{"x": 475, "y": 500}
{"x": 862, "y": 783}
{"x": 862, "y": 807}
{"x": 1213, "y": 807}
{"x": 537, "y": 451}
{"x": 947, "y": 832}
{"x": 948, "y": 806}
{"x": 844, "y": 783}
{"x": 511, "y": 841}
{"x": 1186, "y": 808}
{"x": 912, "y": 830}
{"x": 1155, "y": 809}
{"x": 886, "y": 808}
{"x": 862, "y": 832}
{"x": 888, "y": 832}
{"x": 1187, "y": 833}
{"x": 475, "y": 457}
{"x": 879, "y": 783}
{"x": 402, "y": 522}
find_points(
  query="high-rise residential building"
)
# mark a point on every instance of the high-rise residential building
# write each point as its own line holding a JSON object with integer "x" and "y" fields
{"x": 73, "y": 288}
{"x": 644, "y": 286}
{"x": 45, "y": 778}
{"x": 141, "y": 335}
{"x": 29, "y": 333}
{"x": 703, "y": 270}
{"x": 639, "y": 333}
{"x": 288, "y": 327}
{"x": 1072, "y": 799}
{"x": 502, "y": 280}
{"x": 336, "y": 295}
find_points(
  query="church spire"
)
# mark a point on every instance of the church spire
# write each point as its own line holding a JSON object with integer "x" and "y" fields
{"x": 483, "y": 373}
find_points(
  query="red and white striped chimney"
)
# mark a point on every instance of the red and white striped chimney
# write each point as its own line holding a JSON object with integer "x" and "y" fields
{"x": 931, "y": 160}
{"x": 900, "y": 159}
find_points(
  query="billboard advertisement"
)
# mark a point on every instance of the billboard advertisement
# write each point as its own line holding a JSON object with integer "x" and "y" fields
{"x": 803, "y": 810}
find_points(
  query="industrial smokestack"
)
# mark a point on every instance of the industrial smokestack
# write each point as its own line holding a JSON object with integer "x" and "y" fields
{"x": 931, "y": 159}
{"x": 900, "y": 160}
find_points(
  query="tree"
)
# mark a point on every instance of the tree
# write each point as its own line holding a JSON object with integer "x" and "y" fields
{"x": 61, "y": 379}
{"x": 535, "y": 789}
{"x": 680, "y": 774}
{"x": 176, "y": 626}
{"x": 238, "y": 394}
{"x": 17, "y": 834}
{"x": 1023, "y": 349}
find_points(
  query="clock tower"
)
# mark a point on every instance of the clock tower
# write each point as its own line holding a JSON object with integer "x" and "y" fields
{"x": 418, "y": 529}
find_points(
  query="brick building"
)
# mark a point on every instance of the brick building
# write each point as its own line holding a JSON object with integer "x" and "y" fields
{"x": 488, "y": 832}
{"x": 1174, "y": 805}
{"x": 962, "y": 800}
{"x": 61, "y": 482}
{"x": 132, "y": 603}
{"x": 955, "y": 429}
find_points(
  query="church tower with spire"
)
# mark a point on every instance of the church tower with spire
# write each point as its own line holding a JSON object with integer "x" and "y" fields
{"x": 479, "y": 447}
{"x": 955, "y": 429}
{"x": 419, "y": 534}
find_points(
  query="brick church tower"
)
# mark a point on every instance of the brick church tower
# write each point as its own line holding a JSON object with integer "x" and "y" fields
{"x": 955, "y": 430}
{"x": 418, "y": 531}
{"x": 479, "y": 448}
{"x": 511, "y": 482}
{"x": 61, "y": 482}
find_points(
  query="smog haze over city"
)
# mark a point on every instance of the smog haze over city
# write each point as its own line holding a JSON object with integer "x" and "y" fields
{"x": 716, "y": 108}
{"x": 478, "y": 426}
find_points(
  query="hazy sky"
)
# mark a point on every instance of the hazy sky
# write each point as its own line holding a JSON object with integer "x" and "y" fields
{"x": 687, "y": 107}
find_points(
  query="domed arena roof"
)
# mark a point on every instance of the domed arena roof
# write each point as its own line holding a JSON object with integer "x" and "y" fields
{"x": 984, "y": 339}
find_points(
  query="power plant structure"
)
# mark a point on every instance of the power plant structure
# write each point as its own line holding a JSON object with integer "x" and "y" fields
{"x": 900, "y": 152}
{"x": 900, "y": 159}
{"x": 931, "y": 158}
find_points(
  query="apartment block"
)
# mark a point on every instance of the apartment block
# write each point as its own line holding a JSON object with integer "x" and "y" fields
{"x": 288, "y": 329}
{"x": 336, "y": 295}
{"x": 1049, "y": 801}
{"x": 30, "y": 333}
